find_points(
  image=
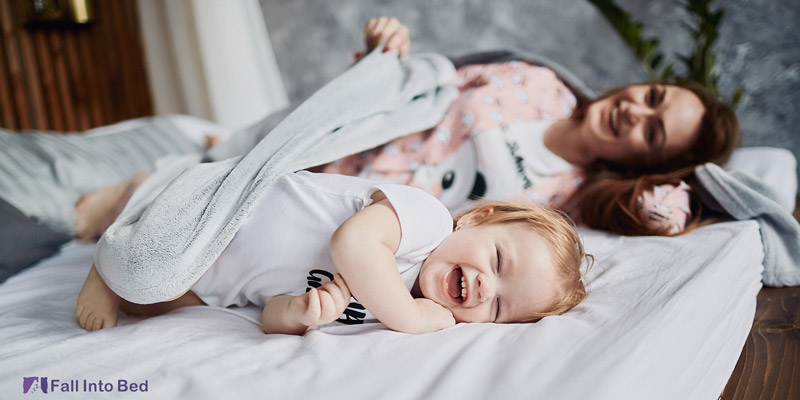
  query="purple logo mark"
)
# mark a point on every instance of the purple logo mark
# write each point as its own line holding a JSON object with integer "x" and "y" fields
{"x": 31, "y": 383}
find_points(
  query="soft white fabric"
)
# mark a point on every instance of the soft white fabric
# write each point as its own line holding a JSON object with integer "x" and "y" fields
{"x": 514, "y": 157}
{"x": 666, "y": 318}
{"x": 282, "y": 247}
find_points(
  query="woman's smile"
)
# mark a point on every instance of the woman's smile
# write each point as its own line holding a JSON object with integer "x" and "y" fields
{"x": 613, "y": 119}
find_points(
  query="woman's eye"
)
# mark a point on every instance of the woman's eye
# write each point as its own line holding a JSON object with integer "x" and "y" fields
{"x": 652, "y": 96}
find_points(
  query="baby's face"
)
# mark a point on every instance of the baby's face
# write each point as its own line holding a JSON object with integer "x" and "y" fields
{"x": 491, "y": 273}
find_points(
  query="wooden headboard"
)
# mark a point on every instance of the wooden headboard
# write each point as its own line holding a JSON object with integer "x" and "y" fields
{"x": 69, "y": 78}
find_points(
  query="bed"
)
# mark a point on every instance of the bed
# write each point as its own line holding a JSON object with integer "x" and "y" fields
{"x": 665, "y": 318}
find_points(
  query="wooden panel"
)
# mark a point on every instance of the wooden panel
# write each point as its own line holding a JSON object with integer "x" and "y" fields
{"x": 7, "y": 76}
{"x": 769, "y": 367}
{"x": 72, "y": 78}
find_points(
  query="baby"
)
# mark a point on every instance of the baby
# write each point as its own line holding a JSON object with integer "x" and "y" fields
{"x": 314, "y": 240}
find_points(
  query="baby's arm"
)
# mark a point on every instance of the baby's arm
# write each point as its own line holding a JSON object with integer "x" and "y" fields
{"x": 294, "y": 315}
{"x": 363, "y": 251}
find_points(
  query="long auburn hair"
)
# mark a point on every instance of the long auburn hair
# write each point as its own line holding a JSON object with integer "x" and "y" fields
{"x": 612, "y": 204}
{"x": 608, "y": 198}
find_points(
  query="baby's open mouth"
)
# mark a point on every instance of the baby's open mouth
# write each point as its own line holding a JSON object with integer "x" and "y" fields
{"x": 455, "y": 286}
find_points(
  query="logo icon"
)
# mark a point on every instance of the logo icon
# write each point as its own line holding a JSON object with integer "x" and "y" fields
{"x": 31, "y": 383}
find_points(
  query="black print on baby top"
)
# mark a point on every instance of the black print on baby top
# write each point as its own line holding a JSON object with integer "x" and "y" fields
{"x": 354, "y": 313}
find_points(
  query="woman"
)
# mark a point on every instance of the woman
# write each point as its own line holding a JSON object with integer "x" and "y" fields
{"x": 556, "y": 141}
{"x": 518, "y": 132}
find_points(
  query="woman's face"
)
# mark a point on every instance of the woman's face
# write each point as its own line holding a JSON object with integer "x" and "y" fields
{"x": 642, "y": 124}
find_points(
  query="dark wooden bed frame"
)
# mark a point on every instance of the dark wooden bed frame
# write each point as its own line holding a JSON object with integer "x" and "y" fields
{"x": 769, "y": 367}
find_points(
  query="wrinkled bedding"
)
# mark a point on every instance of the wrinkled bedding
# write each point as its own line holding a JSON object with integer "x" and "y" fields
{"x": 666, "y": 318}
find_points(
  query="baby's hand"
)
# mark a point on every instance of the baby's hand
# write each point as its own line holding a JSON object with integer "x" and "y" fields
{"x": 323, "y": 305}
{"x": 435, "y": 317}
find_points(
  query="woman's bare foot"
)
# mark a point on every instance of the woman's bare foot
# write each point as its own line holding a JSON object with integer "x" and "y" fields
{"x": 97, "y": 304}
{"x": 96, "y": 211}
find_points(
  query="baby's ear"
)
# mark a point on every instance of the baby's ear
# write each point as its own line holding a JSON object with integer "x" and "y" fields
{"x": 475, "y": 216}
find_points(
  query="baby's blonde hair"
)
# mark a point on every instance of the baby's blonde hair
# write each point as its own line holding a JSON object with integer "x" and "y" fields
{"x": 566, "y": 248}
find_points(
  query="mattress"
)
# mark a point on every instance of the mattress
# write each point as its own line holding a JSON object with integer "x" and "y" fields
{"x": 666, "y": 318}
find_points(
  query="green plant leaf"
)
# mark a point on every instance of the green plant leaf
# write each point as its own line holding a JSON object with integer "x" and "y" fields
{"x": 655, "y": 61}
{"x": 666, "y": 73}
{"x": 737, "y": 96}
{"x": 703, "y": 27}
{"x": 645, "y": 49}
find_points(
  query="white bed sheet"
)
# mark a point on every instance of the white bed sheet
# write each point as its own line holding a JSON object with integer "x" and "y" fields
{"x": 666, "y": 318}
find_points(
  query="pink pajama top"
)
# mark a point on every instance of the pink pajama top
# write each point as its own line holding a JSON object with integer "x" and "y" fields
{"x": 493, "y": 97}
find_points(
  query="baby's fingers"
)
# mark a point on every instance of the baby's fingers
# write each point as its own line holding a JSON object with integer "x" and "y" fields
{"x": 313, "y": 307}
{"x": 342, "y": 285}
{"x": 339, "y": 293}
{"x": 329, "y": 300}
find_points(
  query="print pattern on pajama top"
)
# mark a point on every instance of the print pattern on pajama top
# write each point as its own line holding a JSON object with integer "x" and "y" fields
{"x": 445, "y": 162}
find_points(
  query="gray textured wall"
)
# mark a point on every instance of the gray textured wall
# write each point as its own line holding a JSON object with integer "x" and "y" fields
{"x": 757, "y": 49}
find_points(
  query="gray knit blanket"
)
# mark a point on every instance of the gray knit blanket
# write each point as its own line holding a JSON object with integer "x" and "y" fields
{"x": 181, "y": 218}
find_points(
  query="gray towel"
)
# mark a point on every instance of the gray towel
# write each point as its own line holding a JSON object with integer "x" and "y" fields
{"x": 174, "y": 228}
{"x": 744, "y": 196}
